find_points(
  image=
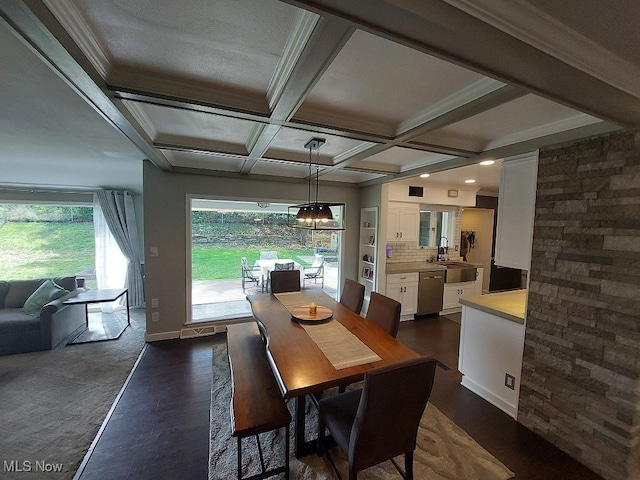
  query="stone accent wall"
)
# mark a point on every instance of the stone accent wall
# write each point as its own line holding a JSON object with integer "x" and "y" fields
{"x": 581, "y": 372}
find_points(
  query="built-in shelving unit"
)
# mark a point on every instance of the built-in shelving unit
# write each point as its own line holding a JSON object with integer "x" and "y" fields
{"x": 368, "y": 249}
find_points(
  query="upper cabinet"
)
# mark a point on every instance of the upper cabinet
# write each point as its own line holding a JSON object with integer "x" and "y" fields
{"x": 403, "y": 220}
{"x": 516, "y": 209}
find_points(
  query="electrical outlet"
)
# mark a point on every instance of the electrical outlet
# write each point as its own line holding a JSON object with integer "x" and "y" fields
{"x": 509, "y": 381}
{"x": 155, "y": 317}
{"x": 153, "y": 251}
{"x": 155, "y": 303}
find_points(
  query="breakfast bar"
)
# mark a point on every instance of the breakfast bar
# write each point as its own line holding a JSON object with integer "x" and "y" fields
{"x": 491, "y": 346}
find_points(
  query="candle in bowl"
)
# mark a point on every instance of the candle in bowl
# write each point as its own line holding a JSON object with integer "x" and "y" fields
{"x": 313, "y": 308}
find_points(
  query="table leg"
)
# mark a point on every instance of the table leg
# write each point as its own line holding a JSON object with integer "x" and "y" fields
{"x": 128, "y": 314}
{"x": 86, "y": 315}
{"x": 302, "y": 448}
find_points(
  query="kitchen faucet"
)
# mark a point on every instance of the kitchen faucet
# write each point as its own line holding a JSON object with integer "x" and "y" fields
{"x": 442, "y": 250}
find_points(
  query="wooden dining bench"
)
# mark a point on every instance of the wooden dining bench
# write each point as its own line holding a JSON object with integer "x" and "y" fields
{"x": 257, "y": 406}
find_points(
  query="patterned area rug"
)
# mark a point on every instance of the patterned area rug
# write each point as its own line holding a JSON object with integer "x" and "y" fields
{"x": 444, "y": 451}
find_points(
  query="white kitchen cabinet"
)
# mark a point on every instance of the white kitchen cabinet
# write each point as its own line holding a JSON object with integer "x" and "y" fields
{"x": 516, "y": 210}
{"x": 454, "y": 291}
{"x": 403, "y": 287}
{"x": 403, "y": 222}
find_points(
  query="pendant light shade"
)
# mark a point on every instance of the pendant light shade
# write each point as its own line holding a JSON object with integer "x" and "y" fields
{"x": 316, "y": 215}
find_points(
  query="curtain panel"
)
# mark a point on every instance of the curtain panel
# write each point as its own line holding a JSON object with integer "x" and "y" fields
{"x": 117, "y": 208}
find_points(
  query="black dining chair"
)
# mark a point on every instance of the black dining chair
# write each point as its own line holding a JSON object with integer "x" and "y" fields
{"x": 384, "y": 312}
{"x": 380, "y": 421}
{"x": 285, "y": 281}
{"x": 352, "y": 295}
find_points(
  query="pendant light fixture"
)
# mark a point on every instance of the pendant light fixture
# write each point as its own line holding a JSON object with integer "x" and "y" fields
{"x": 315, "y": 215}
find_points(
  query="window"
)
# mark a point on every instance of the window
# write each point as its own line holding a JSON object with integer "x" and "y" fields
{"x": 436, "y": 227}
{"x": 38, "y": 241}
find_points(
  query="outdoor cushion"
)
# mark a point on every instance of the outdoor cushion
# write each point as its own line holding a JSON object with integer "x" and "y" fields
{"x": 19, "y": 291}
{"x": 46, "y": 292}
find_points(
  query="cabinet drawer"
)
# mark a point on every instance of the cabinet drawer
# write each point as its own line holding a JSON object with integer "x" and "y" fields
{"x": 403, "y": 277}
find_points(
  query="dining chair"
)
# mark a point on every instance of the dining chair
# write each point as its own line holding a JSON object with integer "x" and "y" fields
{"x": 283, "y": 266}
{"x": 352, "y": 295}
{"x": 249, "y": 274}
{"x": 384, "y": 312}
{"x": 315, "y": 271}
{"x": 380, "y": 421}
{"x": 285, "y": 281}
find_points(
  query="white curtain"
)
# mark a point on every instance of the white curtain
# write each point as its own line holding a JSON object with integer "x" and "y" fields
{"x": 111, "y": 264}
{"x": 119, "y": 214}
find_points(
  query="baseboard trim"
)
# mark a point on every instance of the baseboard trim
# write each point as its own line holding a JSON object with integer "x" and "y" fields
{"x": 194, "y": 329}
{"x": 511, "y": 410}
{"x": 154, "y": 337}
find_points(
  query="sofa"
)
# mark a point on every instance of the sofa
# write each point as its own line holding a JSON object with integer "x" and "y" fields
{"x": 33, "y": 316}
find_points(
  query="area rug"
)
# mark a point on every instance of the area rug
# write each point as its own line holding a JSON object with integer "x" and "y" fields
{"x": 52, "y": 403}
{"x": 444, "y": 451}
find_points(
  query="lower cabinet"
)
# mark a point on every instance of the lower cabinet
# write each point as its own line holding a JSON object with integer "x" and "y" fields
{"x": 453, "y": 292}
{"x": 403, "y": 287}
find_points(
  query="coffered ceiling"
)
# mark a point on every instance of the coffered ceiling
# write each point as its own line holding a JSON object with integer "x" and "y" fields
{"x": 238, "y": 87}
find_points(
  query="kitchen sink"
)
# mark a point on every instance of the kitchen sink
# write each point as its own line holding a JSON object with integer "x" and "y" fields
{"x": 459, "y": 272}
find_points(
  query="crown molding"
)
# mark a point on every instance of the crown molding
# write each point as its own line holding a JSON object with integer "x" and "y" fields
{"x": 470, "y": 93}
{"x": 529, "y": 24}
{"x": 563, "y": 125}
{"x": 300, "y": 34}
{"x": 74, "y": 23}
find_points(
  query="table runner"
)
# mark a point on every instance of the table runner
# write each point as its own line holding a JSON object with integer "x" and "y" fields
{"x": 341, "y": 347}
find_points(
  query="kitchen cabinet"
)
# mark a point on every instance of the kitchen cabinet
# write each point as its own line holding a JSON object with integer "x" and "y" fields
{"x": 454, "y": 291}
{"x": 516, "y": 209}
{"x": 403, "y": 221}
{"x": 403, "y": 287}
{"x": 368, "y": 250}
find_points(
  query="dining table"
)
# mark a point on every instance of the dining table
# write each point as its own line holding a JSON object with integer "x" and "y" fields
{"x": 308, "y": 357}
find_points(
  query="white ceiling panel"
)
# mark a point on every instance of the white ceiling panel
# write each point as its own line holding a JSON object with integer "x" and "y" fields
{"x": 172, "y": 123}
{"x": 404, "y": 158}
{"x": 522, "y": 119}
{"x": 203, "y": 161}
{"x": 225, "y": 42}
{"x": 281, "y": 169}
{"x": 375, "y": 81}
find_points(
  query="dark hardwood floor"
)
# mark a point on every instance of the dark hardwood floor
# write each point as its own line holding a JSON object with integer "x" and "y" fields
{"x": 160, "y": 427}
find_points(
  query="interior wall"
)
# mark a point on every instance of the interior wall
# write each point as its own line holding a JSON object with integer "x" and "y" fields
{"x": 165, "y": 221}
{"x": 581, "y": 368}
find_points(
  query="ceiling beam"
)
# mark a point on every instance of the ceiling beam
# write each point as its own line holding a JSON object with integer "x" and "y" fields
{"x": 321, "y": 42}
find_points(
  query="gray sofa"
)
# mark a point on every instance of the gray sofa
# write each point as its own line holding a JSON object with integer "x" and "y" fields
{"x": 55, "y": 323}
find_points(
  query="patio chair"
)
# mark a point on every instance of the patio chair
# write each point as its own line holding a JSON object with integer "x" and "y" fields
{"x": 315, "y": 271}
{"x": 250, "y": 274}
{"x": 269, "y": 255}
{"x": 278, "y": 267}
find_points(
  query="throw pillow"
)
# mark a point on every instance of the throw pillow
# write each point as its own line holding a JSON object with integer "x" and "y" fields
{"x": 46, "y": 292}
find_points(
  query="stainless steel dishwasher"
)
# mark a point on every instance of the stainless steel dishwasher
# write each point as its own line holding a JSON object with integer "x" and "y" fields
{"x": 430, "y": 291}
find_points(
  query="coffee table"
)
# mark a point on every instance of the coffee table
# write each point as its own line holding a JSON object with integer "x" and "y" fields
{"x": 99, "y": 296}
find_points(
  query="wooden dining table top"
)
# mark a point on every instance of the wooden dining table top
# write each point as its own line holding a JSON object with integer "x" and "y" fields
{"x": 300, "y": 367}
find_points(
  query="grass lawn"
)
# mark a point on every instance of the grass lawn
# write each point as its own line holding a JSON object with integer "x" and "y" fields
{"x": 51, "y": 249}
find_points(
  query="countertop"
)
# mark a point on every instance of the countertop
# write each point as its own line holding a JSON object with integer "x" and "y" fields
{"x": 408, "y": 267}
{"x": 508, "y": 305}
